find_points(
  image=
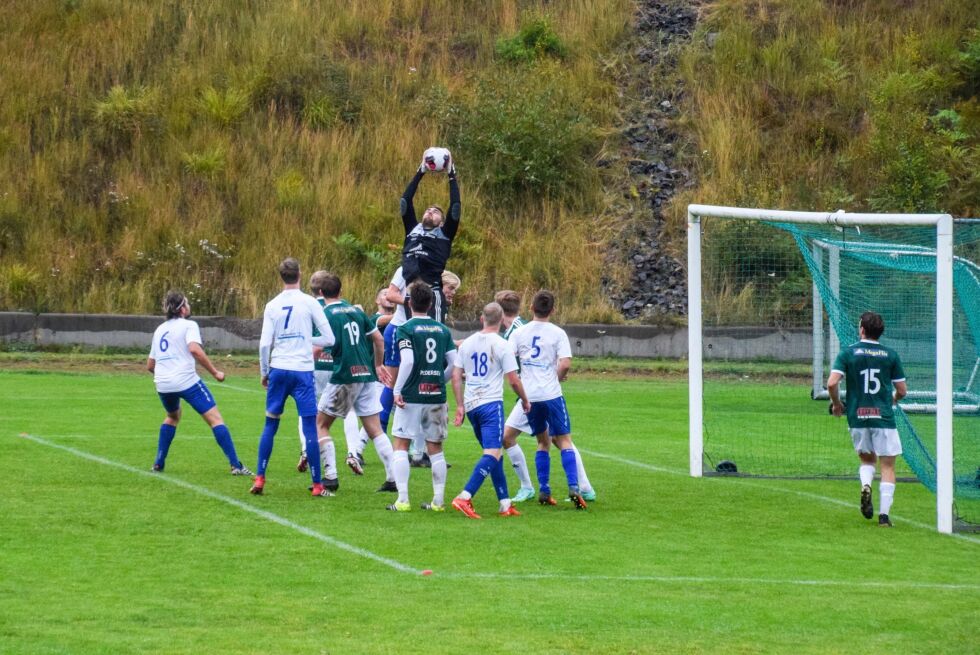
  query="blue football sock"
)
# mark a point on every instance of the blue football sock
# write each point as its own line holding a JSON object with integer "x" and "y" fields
{"x": 387, "y": 402}
{"x": 483, "y": 468}
{"x": 167, "y": 433}
{"x": 571, "y": 467}
{"x": 499, "y": 479}
{"x": 265, "y": 443}
{"x": 312, "y": 447}
{"x": 542, "y": 462}
{"x": 223, "y": 437}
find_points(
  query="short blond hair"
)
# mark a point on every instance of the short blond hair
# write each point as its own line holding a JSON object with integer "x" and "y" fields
{"x": 451, "y": 279}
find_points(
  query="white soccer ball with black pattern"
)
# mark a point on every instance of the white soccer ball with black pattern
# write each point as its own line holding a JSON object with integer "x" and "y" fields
{"x": 436, "y": 159}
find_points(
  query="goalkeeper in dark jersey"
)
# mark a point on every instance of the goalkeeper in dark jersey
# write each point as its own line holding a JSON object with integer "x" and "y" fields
{"x": 429, "y": 242}
{"x": 871, "y": 371}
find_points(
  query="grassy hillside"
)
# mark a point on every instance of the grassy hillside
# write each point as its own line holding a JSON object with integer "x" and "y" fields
{"x": 195, "y": 144}
{"x": 862, "y": 105}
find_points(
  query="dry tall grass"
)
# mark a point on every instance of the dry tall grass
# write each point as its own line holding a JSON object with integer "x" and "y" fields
{"x": 149, "y": 145}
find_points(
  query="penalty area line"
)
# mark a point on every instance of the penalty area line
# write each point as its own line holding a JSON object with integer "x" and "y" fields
{"x": 204, "y": 491}
{"x": 768, "y": 487}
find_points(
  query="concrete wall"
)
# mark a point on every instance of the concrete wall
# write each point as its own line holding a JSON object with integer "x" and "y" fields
{"x": 221, "y": 333}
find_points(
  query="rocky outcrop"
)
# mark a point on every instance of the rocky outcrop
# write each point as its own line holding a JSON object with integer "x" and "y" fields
{"x": 657, "y": 288}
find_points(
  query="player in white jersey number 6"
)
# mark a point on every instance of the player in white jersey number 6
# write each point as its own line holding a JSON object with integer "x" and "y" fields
{"x": 176, "y": 346}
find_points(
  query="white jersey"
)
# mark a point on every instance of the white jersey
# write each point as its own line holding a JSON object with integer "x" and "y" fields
{"x": 287, "y": 328}
{"x": 485, "y": 358}
{"x": 538, "y": 346}
{"x": 399, "y": 281}
{"x": 175, "y": 368}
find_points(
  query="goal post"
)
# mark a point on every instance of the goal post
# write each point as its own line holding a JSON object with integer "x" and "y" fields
{"x": 941, "y": 226}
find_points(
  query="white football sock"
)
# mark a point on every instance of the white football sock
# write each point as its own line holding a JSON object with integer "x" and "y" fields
{"x": 519, "y": 463}
{"x": 351, "y": 433}
{"x": 328, "y": 458}
{"x": 438, "y": 478}
{"x": 504, "y": 504}
{"x": 385, "y": 453}
{"x": 867, "y": 473}
{"x": 583, "y": 479}
{"x": 302, "y": 439}
{"x": 886, "y": 491}
{"x": 464, "y": 494}
{"x": 400, "y": 467}
{"x": 362, "y": 440}
{"x": 418, "y": 447}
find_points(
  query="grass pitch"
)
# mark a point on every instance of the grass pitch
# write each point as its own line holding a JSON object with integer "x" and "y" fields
{"x": 99, "y": 556}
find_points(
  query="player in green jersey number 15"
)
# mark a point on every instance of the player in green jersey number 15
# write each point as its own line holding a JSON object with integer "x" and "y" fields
{"x": 870, "y": 371}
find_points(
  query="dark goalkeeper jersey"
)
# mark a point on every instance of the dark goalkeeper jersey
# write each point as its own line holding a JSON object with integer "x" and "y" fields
{"x": 426, "y": 252}
{"x": 870, "y": 371}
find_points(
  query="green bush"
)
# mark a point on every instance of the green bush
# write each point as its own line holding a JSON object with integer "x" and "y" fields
{"x": 356, "y": 253}
{"x": 23, "y": 287}
{"x": 969, "y": 65}
{"x": 526, "y": 131}
{"x": 224, "y": 107}
{"x": 127, "y": 114}
{"x": 536, "y": 39}
{"x": 207, "y": 164}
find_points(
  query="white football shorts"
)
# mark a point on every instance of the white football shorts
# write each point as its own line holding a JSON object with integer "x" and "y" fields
{"x": 421, "y": 421}
{"x": 338, "y": 399}
{"x": 880, "y": 441}
{"x": 320, "y": 380}
{"x": 518, "y": 419}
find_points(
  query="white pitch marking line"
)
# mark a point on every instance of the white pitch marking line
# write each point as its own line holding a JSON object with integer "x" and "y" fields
{"x": 758, "y": 485}
{"x": 269, "y": 516}
{"x": 715, "y": 581}
{"x": 225, "y": 385}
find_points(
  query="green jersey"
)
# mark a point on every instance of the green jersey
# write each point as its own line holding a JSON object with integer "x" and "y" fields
{"x": 325, "y": 361}
{"x": 429, "y": 340}
{"x": 870, "y": 371}
{"x": 353, "y": 352}
{"x": 518, "y": 322}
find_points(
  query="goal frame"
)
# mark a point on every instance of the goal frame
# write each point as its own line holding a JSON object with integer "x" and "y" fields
{"x": 943, "y": 224}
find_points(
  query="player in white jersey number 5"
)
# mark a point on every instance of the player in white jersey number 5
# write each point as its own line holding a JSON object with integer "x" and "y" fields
{"x": 545, "y": 356}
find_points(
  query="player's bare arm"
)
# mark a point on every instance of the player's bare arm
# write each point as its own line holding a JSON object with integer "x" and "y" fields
{"x": 564, "y": 366}
{"x": 457, "y": 381}
{"x": 833, "y": 388}
{"x": 901, "y": 390}
{"x": 201, "y": 357}
{"x": 514, "y": 379}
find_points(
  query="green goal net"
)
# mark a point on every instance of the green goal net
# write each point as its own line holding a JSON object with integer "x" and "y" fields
{"x": 779, "y": 299}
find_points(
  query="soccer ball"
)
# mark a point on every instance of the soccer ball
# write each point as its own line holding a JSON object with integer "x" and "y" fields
{"x": 436, "y": 159}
